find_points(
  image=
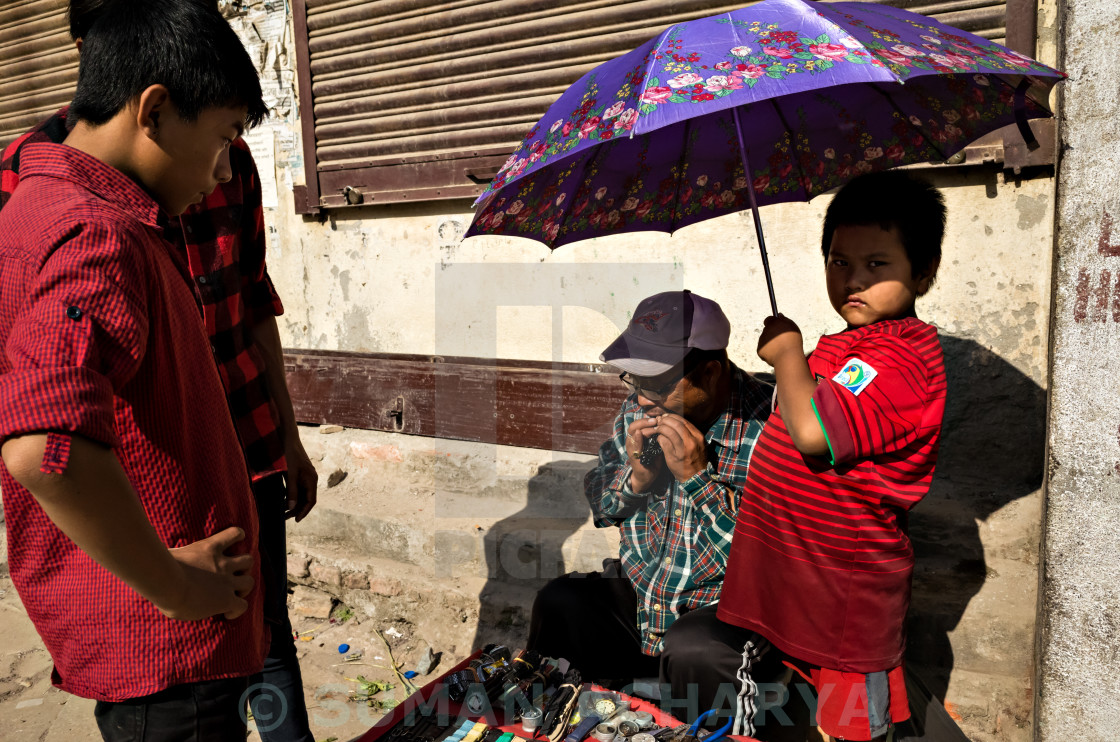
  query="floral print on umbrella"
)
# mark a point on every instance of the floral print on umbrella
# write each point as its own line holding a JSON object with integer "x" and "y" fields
{"x": 825, "y": 95}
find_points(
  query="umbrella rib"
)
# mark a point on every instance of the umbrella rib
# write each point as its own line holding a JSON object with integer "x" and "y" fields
{"x": 680, "y": 175}
{"x": 1021, "y": 97}
{"x": 649, "y": 70}
{"x": 792, "y": 148}
{"x": 594, "y": 153}
{"x": 906, "y": 118}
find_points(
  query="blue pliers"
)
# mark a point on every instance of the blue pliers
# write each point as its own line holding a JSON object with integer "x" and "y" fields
{"x": 717, "y": 734}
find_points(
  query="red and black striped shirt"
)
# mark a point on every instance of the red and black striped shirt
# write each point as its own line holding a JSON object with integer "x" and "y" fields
{"x": 821, "y": 561}
{"x": 223, "y": 238}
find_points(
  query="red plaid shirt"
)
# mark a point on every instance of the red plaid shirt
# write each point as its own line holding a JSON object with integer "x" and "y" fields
{"x": 100, "y": 339}
{"x": 675, "y": 539}
{"x": 224, "y": 242}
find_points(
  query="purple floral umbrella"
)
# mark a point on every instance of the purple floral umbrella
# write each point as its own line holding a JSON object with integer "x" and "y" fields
{"x": 801, "y": 95}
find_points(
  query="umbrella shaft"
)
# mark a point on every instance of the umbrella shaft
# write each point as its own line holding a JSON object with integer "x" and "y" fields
{"x": 754, "y": 211}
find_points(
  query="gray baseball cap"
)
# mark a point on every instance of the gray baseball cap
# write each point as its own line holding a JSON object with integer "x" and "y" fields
{"x": 665, "y": 327}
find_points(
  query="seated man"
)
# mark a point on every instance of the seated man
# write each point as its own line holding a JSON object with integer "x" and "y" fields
{"x": 675, "y": 506}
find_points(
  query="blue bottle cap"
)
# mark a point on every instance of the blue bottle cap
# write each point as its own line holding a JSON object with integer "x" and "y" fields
{"x": 343, "y": 648}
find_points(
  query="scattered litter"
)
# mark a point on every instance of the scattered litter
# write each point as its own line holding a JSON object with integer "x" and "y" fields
{"x": 368, "y": 690}
{"x": 428, "y": 661}
{"x": 354, "y": 656}
{"x": 411, "y": 674}
{"x": 378, "y": 657}
{"x": 391, "y": 631}
{"x": 308, "y": 634}
{"x": 409, "y": 686}
{"x": 29, "y": 702}
{"x": 343, "y": 648}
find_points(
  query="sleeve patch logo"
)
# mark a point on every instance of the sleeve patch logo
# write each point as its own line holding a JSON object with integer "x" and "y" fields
{"x": 855, "y": 376}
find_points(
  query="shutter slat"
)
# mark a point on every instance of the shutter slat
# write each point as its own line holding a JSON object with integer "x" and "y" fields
{"x": 17, "y": 14}
{"x": 481, "y": 66}
{"x": 525, "y": 62}
{"x": 550, "y": 83}
{"x": 503, "y": 134}
{"x": 38, "y": 64}
{"x": 490, "y": 42}
{"x": 442, "y": 118}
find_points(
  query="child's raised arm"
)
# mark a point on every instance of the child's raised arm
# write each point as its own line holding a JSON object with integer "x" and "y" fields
{"x": 780, "y": 345}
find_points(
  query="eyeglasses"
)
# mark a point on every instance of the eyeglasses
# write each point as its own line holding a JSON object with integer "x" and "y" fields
{"x": 653, "y": 395}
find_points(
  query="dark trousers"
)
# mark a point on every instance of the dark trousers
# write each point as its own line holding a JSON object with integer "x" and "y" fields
{"x": 215, "y": 710}
{"x": 211, "y": 711}
{"x": 709, "y": 664}
{"x": 590, "y": 619}
{"x": 276, "y": 693}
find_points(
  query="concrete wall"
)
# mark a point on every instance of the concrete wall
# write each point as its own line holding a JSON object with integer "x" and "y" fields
{"x": 455, "y": 538}
{"x": 1080, "y": 600}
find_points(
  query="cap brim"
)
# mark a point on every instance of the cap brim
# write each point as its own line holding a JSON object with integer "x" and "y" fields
{"x": 642, "y": 359}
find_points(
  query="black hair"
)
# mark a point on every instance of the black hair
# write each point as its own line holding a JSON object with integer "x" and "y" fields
{"x": 83, "y": 13}
{"x": 697, "y": 360}
{"x": 892, "y": 199}
{"x": 185, "y": 45}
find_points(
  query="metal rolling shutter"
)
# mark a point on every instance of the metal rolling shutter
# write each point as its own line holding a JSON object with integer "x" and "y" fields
{"x": 407, "y": 101}
{"x": 38, "y": 64}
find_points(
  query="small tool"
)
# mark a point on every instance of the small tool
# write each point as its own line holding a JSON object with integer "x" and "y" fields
{"x": 718, "y": 734}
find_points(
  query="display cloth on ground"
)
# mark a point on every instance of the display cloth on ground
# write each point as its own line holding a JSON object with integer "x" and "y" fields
{"x": 429, "y": 715}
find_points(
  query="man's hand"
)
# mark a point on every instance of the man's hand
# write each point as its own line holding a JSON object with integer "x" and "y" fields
{"x": 213, "y": 582}
{"x": 686, "y": 452}
{"x": 302, "y": 477}
{"x": 780, "y": 337}
{"x": 302, "y": 482}
{"x": 642, "y": 477}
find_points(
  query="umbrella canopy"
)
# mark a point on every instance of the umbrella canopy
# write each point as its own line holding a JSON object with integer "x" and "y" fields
{"x": 801, "y": 95}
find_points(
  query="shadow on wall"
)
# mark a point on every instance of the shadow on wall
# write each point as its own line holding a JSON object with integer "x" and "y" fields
{"x": 524, "y": 551}
{"x": 992, "y": 453}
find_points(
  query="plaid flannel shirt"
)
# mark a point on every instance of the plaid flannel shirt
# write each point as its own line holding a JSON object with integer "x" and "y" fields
{"x": 223, "y": 241}
{"x": 676, "y": 539}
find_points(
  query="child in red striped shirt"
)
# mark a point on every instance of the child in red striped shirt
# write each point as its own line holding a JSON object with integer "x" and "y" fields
{"x": 821, "y": 563}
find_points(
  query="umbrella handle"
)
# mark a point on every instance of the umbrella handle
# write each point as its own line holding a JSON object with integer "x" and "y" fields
{"x": 754, "y": 211}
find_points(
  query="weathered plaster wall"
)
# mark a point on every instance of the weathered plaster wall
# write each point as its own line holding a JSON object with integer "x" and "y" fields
{"x": 386, "y": 280}
{"x": 455, "y": 537}
{"x": 1080, "y": 600}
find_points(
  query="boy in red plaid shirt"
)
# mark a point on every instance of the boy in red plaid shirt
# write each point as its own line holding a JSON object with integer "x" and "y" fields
{"x": 220, "y": 243}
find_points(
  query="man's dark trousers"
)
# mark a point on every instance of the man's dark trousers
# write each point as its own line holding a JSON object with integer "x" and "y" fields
{"x": 276, "y": 694}
{"x": 590, "y": 619}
